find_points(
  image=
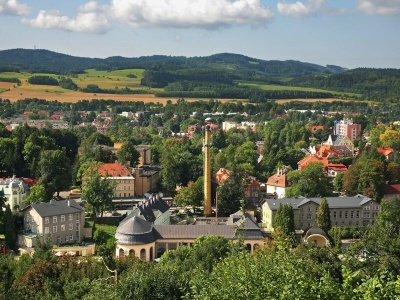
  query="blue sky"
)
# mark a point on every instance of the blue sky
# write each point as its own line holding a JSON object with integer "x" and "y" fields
{"x": 348, "y": 33}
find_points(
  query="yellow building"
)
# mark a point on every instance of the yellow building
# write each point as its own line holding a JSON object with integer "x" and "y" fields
{"x": 118, "y": 173}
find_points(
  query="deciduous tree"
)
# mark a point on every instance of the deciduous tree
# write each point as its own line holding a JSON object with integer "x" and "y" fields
{"x": 324, "y": 216}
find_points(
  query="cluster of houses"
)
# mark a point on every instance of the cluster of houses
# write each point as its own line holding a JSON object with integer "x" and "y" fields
{"x": 146, "y": 232}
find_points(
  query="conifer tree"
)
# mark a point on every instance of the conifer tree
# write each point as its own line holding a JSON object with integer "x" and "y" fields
{"x": 9, "y": 229}
{"x": 284, "y": 219}
{"x": 324, "y": 216}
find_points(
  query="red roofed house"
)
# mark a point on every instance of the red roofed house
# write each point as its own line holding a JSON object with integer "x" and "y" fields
{"x": 329, "y": 168}
{"x": 277, "y": 183}
{"x": 221, "y": 175}
{"x": 386, "y": 151}
{"x": 122, "y": 176}
{"x": 252, "y": 192}
{"x": 391, "y": 190}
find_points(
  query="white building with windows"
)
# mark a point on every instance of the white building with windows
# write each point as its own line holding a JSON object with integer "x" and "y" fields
{"x": 15, "y": 190}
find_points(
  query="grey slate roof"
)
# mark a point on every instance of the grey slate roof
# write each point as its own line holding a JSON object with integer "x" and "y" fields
{"x": 149, "y": 209}
{"x": 134, "y": 230}
{"x": 314, "y": 230}
{"x": 54, "y": 208}
{"x": 333, "y": 202}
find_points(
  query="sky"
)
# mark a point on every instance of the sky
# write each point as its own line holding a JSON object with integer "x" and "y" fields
{"x": 346, "y": 33}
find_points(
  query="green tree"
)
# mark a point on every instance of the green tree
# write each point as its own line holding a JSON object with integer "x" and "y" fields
{"x": 98, "y": 193}
{"x": 284, "y": 219}
{"x": 9, "y": 228}
{"x": 55, "y": 171}
{"x": 231, "y": 192}
{"x": 192, "y": 194}
{"x": 37, "y": 194}
{"x": 311, "y": 182}
{"x": 128, "y": 153}
{"x": 324, "y": 216}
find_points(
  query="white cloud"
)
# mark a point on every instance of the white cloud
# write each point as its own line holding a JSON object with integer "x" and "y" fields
{"x": 379, "y": 7}
{"x": 91, "y": 18}
{"x": 300, "y": 9}
{"x": 13, "y": 7}
{"x": 210, "y": 14}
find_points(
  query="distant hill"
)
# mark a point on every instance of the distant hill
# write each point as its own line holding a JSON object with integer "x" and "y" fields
{"x": 223, "y": 75}
{"x": 53, "y": 62}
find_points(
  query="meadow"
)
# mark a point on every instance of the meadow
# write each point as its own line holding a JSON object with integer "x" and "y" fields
{"x": 117, "y": 79}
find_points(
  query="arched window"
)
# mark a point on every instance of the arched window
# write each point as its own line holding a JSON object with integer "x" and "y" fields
{"x": 121, "y": 253}
{"x": 248, "y": 247}
{"x": 151, "y": 254}
{"x": 143, "y": 254}
{"x": 131, "y": 253}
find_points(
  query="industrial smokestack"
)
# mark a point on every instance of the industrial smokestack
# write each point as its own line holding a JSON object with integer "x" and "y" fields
{"x": 207, "y": 171}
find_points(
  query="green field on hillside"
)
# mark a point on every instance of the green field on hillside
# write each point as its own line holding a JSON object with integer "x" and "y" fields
{"x": 273, "y": 87}
{"x": 110, "y": 79}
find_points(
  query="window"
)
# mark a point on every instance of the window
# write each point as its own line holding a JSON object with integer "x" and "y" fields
{"x": 71, "y": 226}
{"x": 62, "y": 218}
{"x": 70, "y": 217}
{"x": 77, "y": 217}
{"x": 308, "y": 216}
{"x": 345, "y": 214}
{"x": 28, "y": 219}
{"x": 67, "y": 238}
{"x": 334, "y": 214}
{"x": 54, "y": 229}
{"x": 309, "y": 209}
{"x": 46, "y": 230}
{"x": 357, "y": 214}
{"x": 302, "y": 217}
{"x": 77, "y": 227}
{"x": 62, "y": 227}
{"x": 33, "y": 228}
{"x": 352, "y": 214}
{"x": 55, "y": 219}
{"x": 340, "y": 214}
{"x": 59, "y": 240}
{"x": 46, "y": 220}
{"x": 71, "y": 237}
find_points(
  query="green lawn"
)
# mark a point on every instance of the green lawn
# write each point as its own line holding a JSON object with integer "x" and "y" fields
{"x": 107, "y": 228}
{"x": 110, "y": 80}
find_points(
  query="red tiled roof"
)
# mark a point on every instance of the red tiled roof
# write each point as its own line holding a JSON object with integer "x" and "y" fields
{"x": 114, "y": 170}
{"x": 392, "y": 189}
{"x": 278, "y": 180}
{"x": 385, "y": 151}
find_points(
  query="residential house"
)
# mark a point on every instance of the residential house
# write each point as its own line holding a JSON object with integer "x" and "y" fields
{"x": 387, "y": 152}
{"x": 252, "y": 193}
{"x": 63, "y": 221}
{"x": 15, "y": 190}
{"x": 118, "y": 173}
{"x": 340, "y": 140}
{"x": 278, "y": 183}
{"x": 345, "y": 211}
{"x": 391, "y": 190}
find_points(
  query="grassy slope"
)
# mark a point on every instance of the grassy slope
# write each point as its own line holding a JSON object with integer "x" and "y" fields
{"x": 105, "y": 80}
{"x": 271, "y": 87}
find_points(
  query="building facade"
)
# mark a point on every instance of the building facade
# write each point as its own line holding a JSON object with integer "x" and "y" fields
{"x": 123, "y": 178}
{"x": 15, "y": 190}
{"x": 63, "y": 221}
{"x": 140, "y": 238}
{"x": 347, "y": 128}
{"x": 345, "y": 211}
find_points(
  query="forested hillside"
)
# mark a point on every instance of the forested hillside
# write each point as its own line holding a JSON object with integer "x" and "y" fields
{"x": 223, "y": 75}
